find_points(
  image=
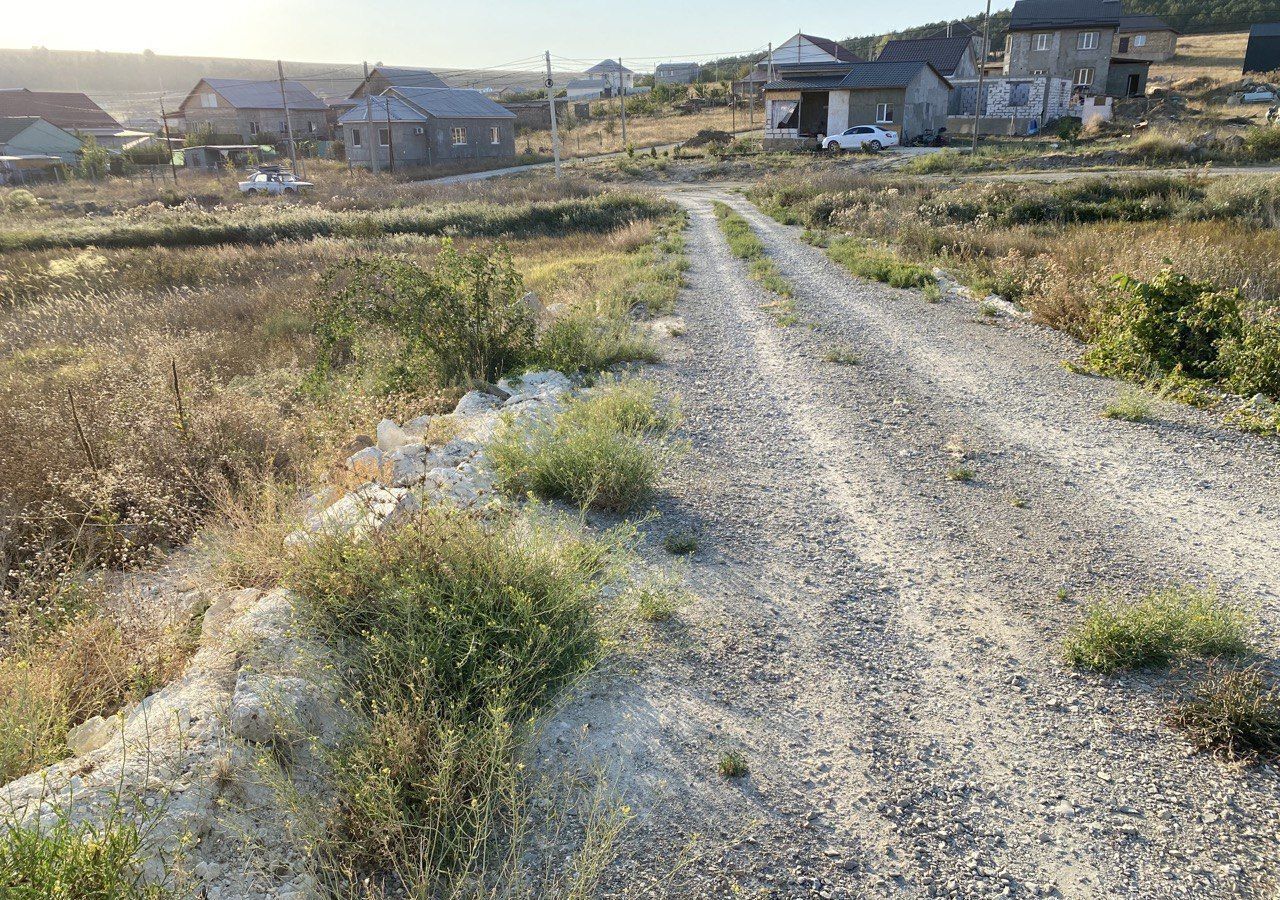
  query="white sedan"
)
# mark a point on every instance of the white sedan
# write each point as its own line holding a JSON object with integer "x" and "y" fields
{"x": 871, "y": 137}
{"x": 273, "y": 183}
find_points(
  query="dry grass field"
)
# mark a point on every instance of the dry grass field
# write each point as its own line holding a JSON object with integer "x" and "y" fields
{"x": 604, "y": 135}
{"x": 1215, "y": 56}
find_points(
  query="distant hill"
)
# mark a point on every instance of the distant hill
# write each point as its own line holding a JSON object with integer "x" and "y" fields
{"x": 128, "y": 85}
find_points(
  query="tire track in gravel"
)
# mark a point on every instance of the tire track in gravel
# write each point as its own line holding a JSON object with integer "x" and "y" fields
{"x": 882, "y": 642}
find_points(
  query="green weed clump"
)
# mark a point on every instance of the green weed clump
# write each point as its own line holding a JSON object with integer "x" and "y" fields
{"x": 1131, "y": 406}
{"x": 1155, "y": 630}
{"x": 604, "y": 451}
{"x": 733, "y": 764}
{"x": 745, "y": 245}
{"x": 1233, "y": 713}
{"x": 66, "y": 861}
{"x": 680, "y": 542}
{"x": 459, "y": 631}
{"x": 878, "y": 265}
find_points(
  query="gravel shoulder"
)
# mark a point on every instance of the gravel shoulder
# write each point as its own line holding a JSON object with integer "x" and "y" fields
{"x": 882, "y": 643}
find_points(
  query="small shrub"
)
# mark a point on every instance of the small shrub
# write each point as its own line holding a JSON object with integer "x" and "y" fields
{"x": 1233, "y": 713}
{"x": 733, "y": 764}
{"x": 1263, "y": 144}
{"x": 878, "y": 265}
{"x": 582, "y": 342}
{"x": 1155, "y": 630}
{"x": 680, "y": 541}
{"x": 605, "y": 451}
{"x": 961, "y": 474}
{"x": 658, "y": 600}
{"x": 1133, "y": 405}
{"x": 66, "y": 861}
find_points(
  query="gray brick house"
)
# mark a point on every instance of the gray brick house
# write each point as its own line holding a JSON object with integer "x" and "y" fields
{"x": 1070, "y": 39}
{"x": 253, "y": 110}
{"x": 425, "y": 126}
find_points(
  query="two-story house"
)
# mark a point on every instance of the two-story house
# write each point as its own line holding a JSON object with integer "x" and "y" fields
{"x": 1073, "y": 39}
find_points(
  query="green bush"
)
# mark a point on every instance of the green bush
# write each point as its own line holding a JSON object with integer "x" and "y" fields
{"x": 1155, "y": 630}
{"x": 64, "y": 861}
{"x": 604, "y": 451}
{"x": 458, "y": 631}
{"x": 1233, "y": 713}
{"x": 1263, "y": 144}
{"x": 1174, "y": 325}
{"x": 459, "y": 322}
{"x": 580, "y": 341}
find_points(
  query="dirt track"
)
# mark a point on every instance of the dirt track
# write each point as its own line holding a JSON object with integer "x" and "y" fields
{"x": 884, "y": 643}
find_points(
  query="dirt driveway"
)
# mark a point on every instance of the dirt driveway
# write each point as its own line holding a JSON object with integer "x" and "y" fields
{"x": 882, "y": 643}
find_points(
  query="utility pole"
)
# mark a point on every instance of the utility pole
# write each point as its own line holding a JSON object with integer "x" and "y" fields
{"x": 288, "y": 126}
{"x": 622, "y": 102}
{"x": 551, "y": 99}
{"x": 368, "y": 120}
{"x": 173, "y": 166}
{"x": 769, "y": 74}
{"x": 982, "y": 74}
{"x": 391, "y": 141}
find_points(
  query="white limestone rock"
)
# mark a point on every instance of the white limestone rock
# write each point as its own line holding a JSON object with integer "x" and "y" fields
{"x": 474, "y": 402}
{"x": 391, "y": 436}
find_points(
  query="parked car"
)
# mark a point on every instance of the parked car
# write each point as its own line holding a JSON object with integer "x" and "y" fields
{"x": 870, "y": 137}
{"x": 273, "y": 183}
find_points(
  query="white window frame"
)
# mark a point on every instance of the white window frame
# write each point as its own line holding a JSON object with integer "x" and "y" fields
{"x": 1039, "y": 72}
{"x": 1139, "y": 40}
{"x": 355, "y": 137}
{"x": 1085, "y": 76}
{"x": 1088, "y": 40}
{"x": 884, "y": 113}
{"x": 1042, "y": 42}
{"x": 311, "y": 127}
{"x": 495, "y": 135}
{"x": 458, "y": 131}
{"x": 253, "y": 128}
{"x": 381, "y": 132}
{"x": 209, "y": 100}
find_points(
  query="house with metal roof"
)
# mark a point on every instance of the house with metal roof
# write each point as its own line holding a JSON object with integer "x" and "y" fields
{"x": 799, "y": 49}
{"x": 953, "y": 57}
{"x": 1073, "y": 39}
{"x": 32, "y": 136}
{"x": 69, "y": 110}
{"x": 1263, "y": 52}
{"x": 382, "y": 77}
{"x": 676, "y": 73}
{"x": 1145, "y": 37}
{"x": 253, "y": 111}
{"x": 806, "y": 102}
{"x": 422, "y": 126}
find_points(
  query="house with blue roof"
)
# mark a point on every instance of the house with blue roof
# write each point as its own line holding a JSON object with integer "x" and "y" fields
{"x": 406, "y": 125}
{"x": 253, "y": 111}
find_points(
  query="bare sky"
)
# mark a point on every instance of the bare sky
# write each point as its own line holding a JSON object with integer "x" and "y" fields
{"x": 457, "y": 33}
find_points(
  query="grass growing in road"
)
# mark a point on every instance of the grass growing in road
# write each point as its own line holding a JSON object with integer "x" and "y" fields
{"x": 680, "y": 542}
{"x": 658, "y": 599}
{"x": 744, "y": 244}
{"x": 604, "y": 451}
{"x": 1153, "y": 631}
{"x": 733, "y": 764}
{"x": 458, "y": 632}
{"x": 1133, "y": 405}
{"x": 961, "y": 474}
{"x": 878, "y": 265}
{"x": 842, "y": 356}
{"x": 1233, "y": 713}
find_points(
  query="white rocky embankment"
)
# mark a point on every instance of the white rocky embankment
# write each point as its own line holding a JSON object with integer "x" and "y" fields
{"x": 220, "y": 767}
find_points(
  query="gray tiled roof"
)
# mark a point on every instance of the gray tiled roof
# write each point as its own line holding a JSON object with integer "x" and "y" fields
{"x": 379, "y": 109}
{"x": 453, "y": 103}
{"x": 836, "y": 50}
{"x": 66, "y": 109}
{"x": 851, "y": 76}
{"x": 608, "y": 65}
{"x": 943, "y": 53}
{"x": 243, "y": 93}
{"x": 1031, "y": 14}
{"x": 1144, "y": 23}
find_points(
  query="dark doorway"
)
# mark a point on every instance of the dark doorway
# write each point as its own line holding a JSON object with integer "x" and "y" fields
{"x": 1134, "y": 86}
{"x": 814, "y": 106}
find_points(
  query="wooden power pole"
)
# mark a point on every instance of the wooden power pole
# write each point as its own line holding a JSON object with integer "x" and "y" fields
{"x": 288, "y": 125}
{"x": 982, "y": 75}
{"x": 551, "y": 100}
{"x": 368, "y": 119}
{"x": 168, "y": 142}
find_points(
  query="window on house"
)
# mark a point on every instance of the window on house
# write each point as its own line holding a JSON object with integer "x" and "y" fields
{"x": 209, "y": 100}
{"x": 311, "y": 127}
{"x": 1084, "y": 77}
{"x": 1019, "y": 93}
{"x": 1139, "y": 40}
{"x": 253, "y": 128}
{"x": 355, "y": 137}
{"x": 1088, "y": 40}
{"x": 1042, "y": 41}
{"x": 1039, "y": 71}
{"x": 384, "y": 137}
{"x": 459, "y": 135}
{"x": 495, "y": 135}
{"x": 283, "y": 127}
{"x": 884, "y": 113}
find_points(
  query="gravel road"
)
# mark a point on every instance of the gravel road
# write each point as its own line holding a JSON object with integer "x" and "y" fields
{"x": 883, "y": 644}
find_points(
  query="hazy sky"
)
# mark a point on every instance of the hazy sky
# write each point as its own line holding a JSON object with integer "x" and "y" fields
{"x": 457, "y": 33}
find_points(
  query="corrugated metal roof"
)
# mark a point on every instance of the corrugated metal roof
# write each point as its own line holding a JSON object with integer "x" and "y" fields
{"x": 410, "y": 76}
{"x": 453, "y": 103}
{"x": 243, "y": 93}
{"x": 856, "y": 76}
{"x": 12, "y": 126}
{"x": 1033, "y": 14}
{"x": 66, "y": 109}
{"x": 382, "y": 107}
{"x": 843, "y": 54}
{"x": 943, "y": 53}
{"x": 608, "y": 65}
